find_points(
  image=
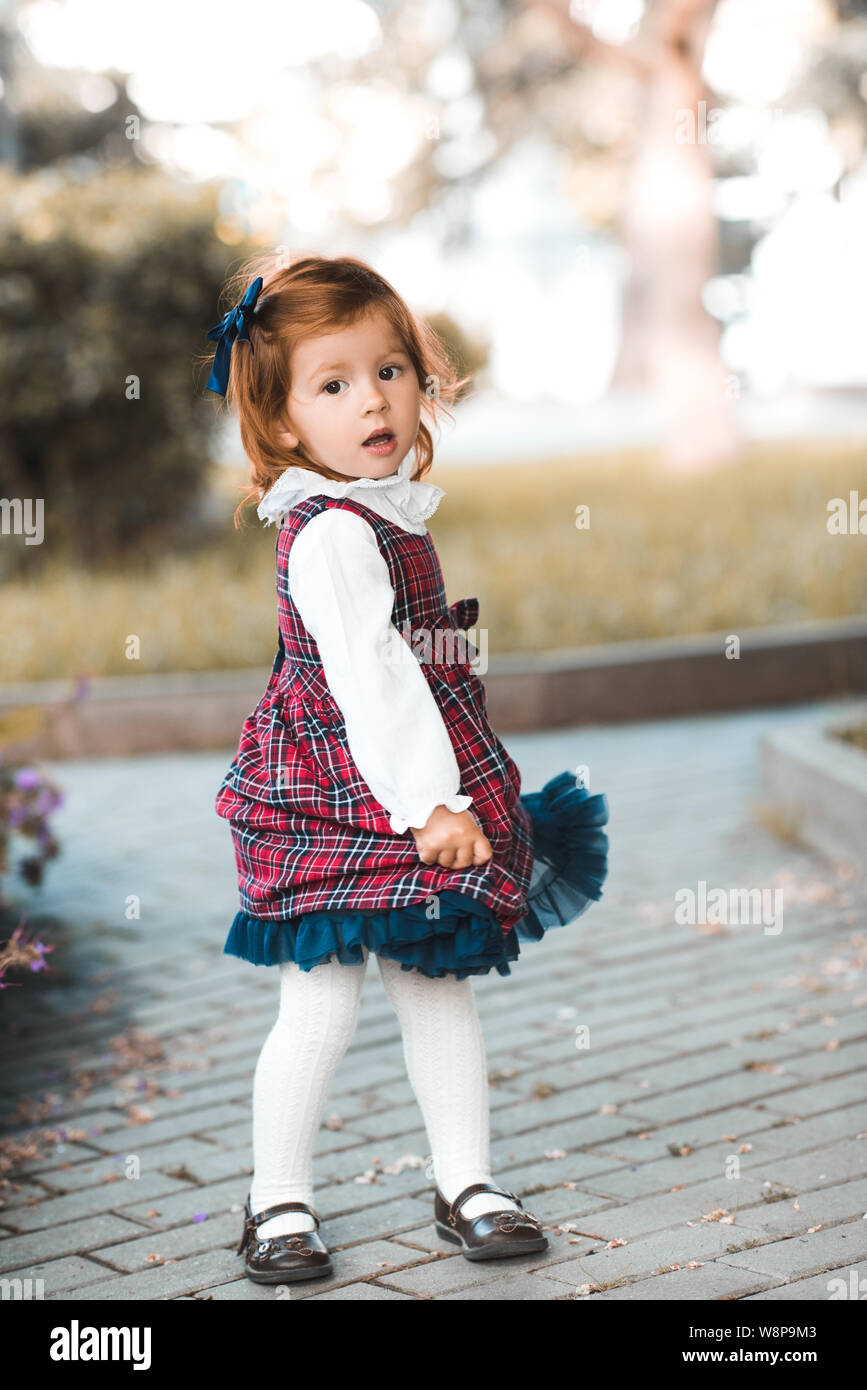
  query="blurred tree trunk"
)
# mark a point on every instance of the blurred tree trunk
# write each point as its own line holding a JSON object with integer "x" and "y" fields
{"x": 9, "y": 42}
{"x": 669, "y": 343}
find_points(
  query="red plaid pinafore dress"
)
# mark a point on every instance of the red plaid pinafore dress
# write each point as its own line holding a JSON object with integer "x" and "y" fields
{"x": 309, "y": 836}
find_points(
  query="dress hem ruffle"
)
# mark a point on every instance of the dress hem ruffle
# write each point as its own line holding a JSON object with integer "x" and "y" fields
{"x": 570, "y": 856}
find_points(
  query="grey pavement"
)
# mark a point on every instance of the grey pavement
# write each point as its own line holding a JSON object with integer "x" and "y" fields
{"x": 681, "y": 1102}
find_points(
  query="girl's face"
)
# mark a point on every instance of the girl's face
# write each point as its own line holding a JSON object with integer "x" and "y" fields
{"x": 347, "y": 385}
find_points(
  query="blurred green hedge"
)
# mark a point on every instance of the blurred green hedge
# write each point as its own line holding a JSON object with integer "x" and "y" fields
{"x": 102, "y": 280}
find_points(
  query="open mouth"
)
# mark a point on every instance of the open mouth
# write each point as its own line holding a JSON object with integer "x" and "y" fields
{"x": 379, "y": 437}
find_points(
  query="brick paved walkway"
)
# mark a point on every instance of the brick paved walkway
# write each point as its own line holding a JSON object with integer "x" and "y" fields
{"x": 705, "y": 1146}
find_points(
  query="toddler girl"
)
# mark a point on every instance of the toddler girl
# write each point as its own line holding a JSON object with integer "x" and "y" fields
{"x": 371, "y": 805}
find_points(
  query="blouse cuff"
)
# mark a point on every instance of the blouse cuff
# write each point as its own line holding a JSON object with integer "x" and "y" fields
{"x": 419, "y": 818}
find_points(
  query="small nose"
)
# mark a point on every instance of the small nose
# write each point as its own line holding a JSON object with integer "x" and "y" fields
{"x": 376, "y": 400}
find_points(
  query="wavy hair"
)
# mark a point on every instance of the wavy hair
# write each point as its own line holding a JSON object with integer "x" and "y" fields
{"x": 311, "y": 296}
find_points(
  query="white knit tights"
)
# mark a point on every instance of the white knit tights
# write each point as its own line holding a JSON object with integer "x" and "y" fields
{"x": 445, "y": 1059}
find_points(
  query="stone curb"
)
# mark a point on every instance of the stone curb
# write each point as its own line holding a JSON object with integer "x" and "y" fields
{"x": 819, "y": 783}
{"x": 658, "y": 678}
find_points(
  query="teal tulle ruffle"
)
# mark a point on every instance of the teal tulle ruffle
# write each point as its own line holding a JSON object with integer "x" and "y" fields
{"x": 570, "y": 863}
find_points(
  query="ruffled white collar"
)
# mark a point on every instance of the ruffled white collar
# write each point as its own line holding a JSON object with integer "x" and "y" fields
{"x": 397, "y": 498}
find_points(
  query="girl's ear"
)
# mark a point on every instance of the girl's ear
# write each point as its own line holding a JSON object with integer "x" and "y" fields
{"x": 290, "y": 440}
{"x": 285, "y": 432}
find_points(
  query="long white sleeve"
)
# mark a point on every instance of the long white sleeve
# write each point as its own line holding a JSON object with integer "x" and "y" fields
{"x": 340, "y": 584}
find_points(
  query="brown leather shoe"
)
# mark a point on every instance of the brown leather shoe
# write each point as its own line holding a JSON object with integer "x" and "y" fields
{"x": 282, "y": 1259}
{"x": 493, "y": 1234}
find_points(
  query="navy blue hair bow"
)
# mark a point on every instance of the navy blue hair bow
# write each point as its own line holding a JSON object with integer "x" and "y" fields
{"x": 233, "y": 325}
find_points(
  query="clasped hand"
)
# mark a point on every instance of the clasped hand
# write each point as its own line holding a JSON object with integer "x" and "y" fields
{"x": 452, "y": 839}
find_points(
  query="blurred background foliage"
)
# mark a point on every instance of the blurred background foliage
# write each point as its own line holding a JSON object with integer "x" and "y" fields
{"x": 115, "y": 241}
{"x": 105, "y": 285}
{"x": 103, "y": 282}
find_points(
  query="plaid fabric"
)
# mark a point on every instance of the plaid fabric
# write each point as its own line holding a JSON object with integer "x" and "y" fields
{"x": 308, "y": 833}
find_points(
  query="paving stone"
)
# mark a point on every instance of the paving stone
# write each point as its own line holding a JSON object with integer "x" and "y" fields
{"x": 823, "y": 1206}
{"x": 387, "y": 1124}
{"x": 177, "y": 1207}
{"x": 706, "y": 1027}
{"x": 805, "y": 1101}
{"x": 65, "y": 1239}
{"x": 374, "y": 1222}
{"x": 372, "y": 1259}
{"x": 579, "y": 1068}
{"x": 377, "y": 1156}
{"x": 133, "y": 1194}
{"x": 661, "y": 1175}
{"x": 741, "y": 1124}
{"x": 801, "y": 1256}
{"x": 55, "y": 1158}
{"x": 711, "y": 1281}
{"x": 94, "y": 1123}
{"x": 739, "y": 1087}
{"x": 423, "y": 1238}
{"x": 183, "y": 1152}
{"x": 849, "y": 1056}
{"x": 580, "y": 1103}
{"x": 66, "y": 1275}
{"x": 683, "y": 1009}
{"x": 193, "y": 1238}
{"x": 534, "y": 1143}
{"x": 822, "y": 1286}
{"x": 215, "y": 1164}
{"x": 518, "y": 1288}
{"x": 788, "y": 1139}
{"x": 829, "y": 1165}
{"x": 18, "y": 1196}
{"x": 649, "y": 1255}
{"x": 365, "y": 1293}
{"x": 843, "y": 1024}
{"x": 562, "y": 1204}
{"x": 630, "y": 1220}
{"x": 163, "y": 1281}
{"x": 661, "y": 1072}
{"x": 244, "y": 1290}
{"x": 452, "y": 1273}
{"x": 229, "y": 1137}
{"x": 530, "y": 1179}
{"x": 161, "y": 1130}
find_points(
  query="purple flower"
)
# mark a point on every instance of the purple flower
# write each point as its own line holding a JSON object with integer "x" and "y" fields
{"x": 200, "y": 1216}
{"x": 27, "y": 777}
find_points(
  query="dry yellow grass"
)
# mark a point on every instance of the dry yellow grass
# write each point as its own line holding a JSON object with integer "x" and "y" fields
{"x": 745, "y": 547}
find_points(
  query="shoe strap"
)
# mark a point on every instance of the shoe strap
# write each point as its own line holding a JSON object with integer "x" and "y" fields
{"x": 277, "y": 1210}
{"x": 472, "y": 1190}
{"x": 251, "y": 1222}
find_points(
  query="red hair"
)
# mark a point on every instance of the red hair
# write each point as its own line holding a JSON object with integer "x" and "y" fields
{"x": 312, "y": 296}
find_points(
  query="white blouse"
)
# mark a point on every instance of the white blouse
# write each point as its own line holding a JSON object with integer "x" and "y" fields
{"x": 339, "y": 582}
